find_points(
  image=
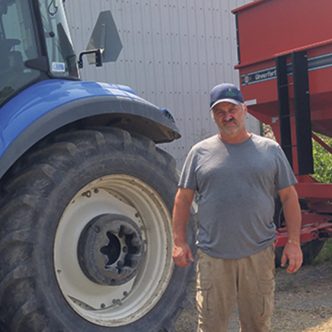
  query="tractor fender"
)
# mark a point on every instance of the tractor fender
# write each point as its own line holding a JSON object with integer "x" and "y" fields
{"x": 53, "y": 104}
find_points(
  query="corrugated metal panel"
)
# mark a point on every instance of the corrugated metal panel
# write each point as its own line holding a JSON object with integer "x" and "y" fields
{"x": 174, "y": 52}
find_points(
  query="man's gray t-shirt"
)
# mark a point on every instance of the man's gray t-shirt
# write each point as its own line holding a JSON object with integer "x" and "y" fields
{"x": 236, "y": 186}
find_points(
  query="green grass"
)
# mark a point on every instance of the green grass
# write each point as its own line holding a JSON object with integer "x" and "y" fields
{"x": 325, "y": 254}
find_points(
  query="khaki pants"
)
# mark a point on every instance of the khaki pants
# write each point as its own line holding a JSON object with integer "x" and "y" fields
{"x": 248, "y": 282}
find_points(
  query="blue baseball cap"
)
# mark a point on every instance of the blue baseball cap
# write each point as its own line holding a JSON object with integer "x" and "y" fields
{"x": 225, "y": 92}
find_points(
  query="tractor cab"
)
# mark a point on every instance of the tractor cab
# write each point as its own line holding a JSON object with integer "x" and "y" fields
{"x": 34, "y": 44}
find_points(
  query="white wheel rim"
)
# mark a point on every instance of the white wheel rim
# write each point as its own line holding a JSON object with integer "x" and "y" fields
{"x": 123, "y": 304}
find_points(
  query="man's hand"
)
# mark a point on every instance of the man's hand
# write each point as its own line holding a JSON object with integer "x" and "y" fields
{"x": 293, "y": 255}
{"x": 182, "y": 255}
{"x": 292, "y": 252}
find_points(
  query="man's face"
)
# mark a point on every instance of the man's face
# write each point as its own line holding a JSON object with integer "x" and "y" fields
{"x": 230, "y": 118}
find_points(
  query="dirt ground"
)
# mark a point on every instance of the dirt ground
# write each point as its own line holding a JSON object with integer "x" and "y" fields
{"x": 303, "y": 302}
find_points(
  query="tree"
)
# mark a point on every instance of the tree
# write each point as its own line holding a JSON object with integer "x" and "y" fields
{"x": 322, "y": 160}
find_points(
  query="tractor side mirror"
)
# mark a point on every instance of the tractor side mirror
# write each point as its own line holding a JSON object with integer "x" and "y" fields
{"x": 105, "y": 43}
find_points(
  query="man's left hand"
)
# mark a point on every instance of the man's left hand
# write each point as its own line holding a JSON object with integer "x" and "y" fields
{"x": 293, "y": 255}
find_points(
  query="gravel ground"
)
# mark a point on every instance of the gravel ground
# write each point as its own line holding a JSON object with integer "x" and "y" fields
{"x": 303, "y": 302}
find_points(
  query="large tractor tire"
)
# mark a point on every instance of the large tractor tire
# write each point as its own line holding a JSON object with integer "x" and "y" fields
{"x": 85, "y": 236}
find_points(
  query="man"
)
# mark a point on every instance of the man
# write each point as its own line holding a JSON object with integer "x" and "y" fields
{"x": 236, "y": 176}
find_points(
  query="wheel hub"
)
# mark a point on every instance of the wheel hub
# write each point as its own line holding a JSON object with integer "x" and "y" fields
{"x": 110, "y": 249}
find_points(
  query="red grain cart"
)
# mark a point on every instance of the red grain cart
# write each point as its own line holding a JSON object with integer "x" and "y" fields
{"x": 285, "y": 65}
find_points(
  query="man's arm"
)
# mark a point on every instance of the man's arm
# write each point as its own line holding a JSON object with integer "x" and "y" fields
{"x": 182, "y": 254}
{"x": 292, "y": 212}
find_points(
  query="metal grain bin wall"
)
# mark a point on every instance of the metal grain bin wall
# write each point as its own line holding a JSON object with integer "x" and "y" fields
{"x": 174, "y": 51}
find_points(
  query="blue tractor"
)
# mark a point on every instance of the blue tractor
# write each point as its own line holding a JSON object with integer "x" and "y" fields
{"x": 86, "y": 195}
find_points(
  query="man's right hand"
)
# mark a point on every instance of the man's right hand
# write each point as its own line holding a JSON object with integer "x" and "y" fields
{"x": 182, "y": 255}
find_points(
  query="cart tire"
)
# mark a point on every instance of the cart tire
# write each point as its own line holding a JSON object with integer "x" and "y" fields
{"x": 311, "y": 250}
{"x": 85, "y": 236}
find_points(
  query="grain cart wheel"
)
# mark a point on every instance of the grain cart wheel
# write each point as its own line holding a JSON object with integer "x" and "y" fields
{"x": 85, "y": 237}
{"x": 311, "y": 250}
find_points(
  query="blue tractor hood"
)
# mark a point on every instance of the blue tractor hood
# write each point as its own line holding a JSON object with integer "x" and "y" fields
{"x": 49, "y": 105}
